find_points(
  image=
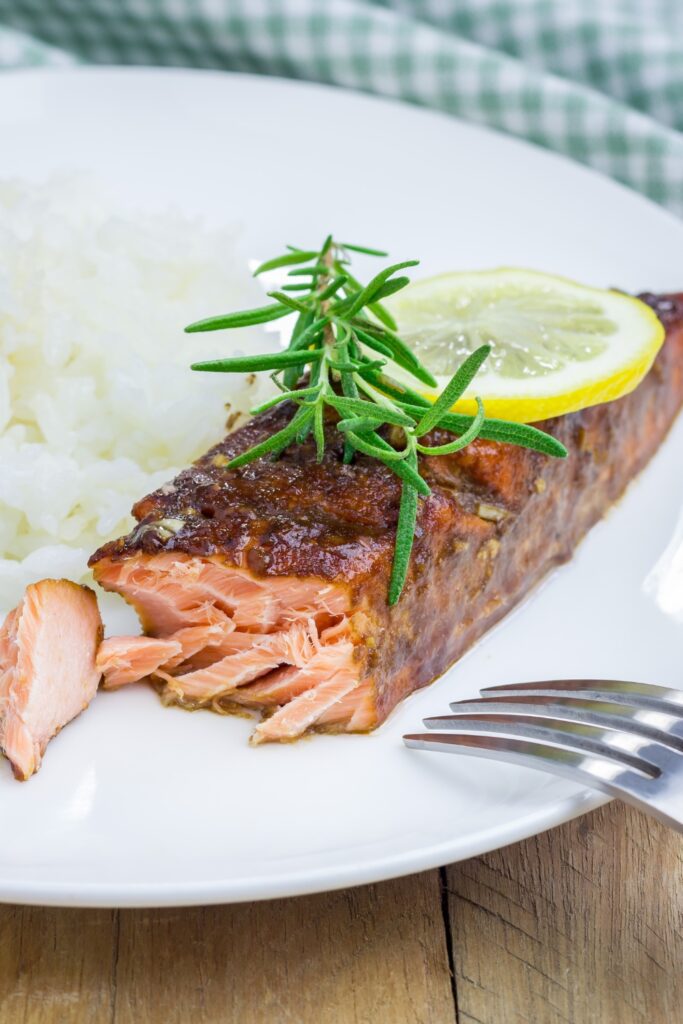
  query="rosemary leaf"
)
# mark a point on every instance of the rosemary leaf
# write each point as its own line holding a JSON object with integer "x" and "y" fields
{"x": 244, "y": 319}
{"x": 400, "y": 393}
{"x": 333, "y": 287}
{"x": 409, "y": 475}
{"x": 305, "y": 272}
{"x": 360, "y": 407}
{"x": 368, "y": 293}
{"x": 402, "y": 469}
{"x": 376, "y": 364}
{"x": 298, "y": 256}
{"x": 403, "y": 355}
{"x": 359, "y": 424}
{"x": 400, "y": 353}
{"x": 286, "y": 396}
{"x": 310, "y": 334}
{"x": 387, "y": 454}
{"x": 303, "y": 322}
{"x": 454, "y": 390}
{"x": 391, "y": 287}
{"x": 287, "y": 300}
{"x": 346, "y": 367}
{"x": 347, "y": 347}
{"x": 363, "y": 249}
{"x": 405, "y": 534}
{"x": 348, "y": 453}
{"x": 524, "y": 435}
{"x": 252, "y": 364}
{"x": 373, "y": 343}
{"x": 303, "y": 415}
{"x": 279, "y": 440}
{"x": 319, "y": 431}
{"x": 316, "y": 378}
{"x": 304, "y": 430}
{"x": 383, "y": 314}
{"x": 455, "y": 446}
{"x": 375, "y": 308}
{"x": 292, "y": 375}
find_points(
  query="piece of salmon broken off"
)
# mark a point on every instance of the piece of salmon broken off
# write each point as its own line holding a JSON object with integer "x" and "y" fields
{"x": 130, "y": 659}
{"x": 48, "y": 673}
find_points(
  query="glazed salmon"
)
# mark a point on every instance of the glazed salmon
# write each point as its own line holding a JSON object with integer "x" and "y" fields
{"x": 273, "y": 577}
{"x": 48, "y": 673}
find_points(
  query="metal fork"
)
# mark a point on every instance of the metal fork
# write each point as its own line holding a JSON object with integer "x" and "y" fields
{"x": 625, "y": 739}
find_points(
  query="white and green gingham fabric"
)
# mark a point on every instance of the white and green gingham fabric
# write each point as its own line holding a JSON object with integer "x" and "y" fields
{"x": 598, "y": 80}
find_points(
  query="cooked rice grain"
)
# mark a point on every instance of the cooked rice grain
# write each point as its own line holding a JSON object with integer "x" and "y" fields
{"x": 97, "y": 402}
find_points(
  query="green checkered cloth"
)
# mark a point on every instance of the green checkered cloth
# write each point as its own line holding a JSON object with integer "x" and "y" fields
{"x": 598, "y": 80}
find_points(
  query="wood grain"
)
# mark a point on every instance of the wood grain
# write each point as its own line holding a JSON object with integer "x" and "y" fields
{"x": 56, "y": 965}
{"x": 583, "y": 924}
{"x": 361, "y": 956}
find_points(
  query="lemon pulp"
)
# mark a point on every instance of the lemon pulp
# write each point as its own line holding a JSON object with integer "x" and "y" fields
{"x": 557, "y": 346}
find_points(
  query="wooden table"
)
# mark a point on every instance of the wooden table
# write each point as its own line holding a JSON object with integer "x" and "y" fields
{"x": 583, "y": 924}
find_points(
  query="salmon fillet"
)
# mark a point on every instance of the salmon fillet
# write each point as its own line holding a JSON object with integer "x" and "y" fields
{"x": 273, "y": 577}
{"x": 48, "y": 673}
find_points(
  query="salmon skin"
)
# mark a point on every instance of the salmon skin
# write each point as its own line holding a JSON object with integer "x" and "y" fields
{"x": 276, "y": 574}
{"x": 48, "y": 673}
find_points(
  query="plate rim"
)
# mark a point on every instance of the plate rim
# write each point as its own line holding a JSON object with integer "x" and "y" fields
{"x": 307, "y": 85}
{"x": 301, "y": 883}
{"x": 285, "y": 884}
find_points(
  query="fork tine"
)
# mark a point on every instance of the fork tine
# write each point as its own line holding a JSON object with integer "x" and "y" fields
{"x": 598, "y": 773}
{"x": 657, "y": 725}
{"x": 606, "y": 774}
{"x": 639, "y": 695}
{"x": 632, "y": 751}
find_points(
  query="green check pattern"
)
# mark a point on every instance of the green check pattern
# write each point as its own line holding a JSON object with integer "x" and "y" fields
{"x": 598, "y": 80}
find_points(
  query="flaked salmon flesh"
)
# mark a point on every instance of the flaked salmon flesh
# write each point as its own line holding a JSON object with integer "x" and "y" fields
{"x": 292, "y": 646}
{"x": 273, "y": 588}
{"x": 171, "y": 593}
{"x": 283, "y": 685}
{"x": 218, "y": 634}
{"x": 128, "y": 659}
{"x": 48, "y": 673}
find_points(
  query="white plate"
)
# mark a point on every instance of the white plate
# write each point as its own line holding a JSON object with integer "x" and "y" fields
{"x": 137, "y": 805}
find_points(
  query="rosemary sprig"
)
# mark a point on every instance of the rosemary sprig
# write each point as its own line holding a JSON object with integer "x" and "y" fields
{"x": 339, "y": 321}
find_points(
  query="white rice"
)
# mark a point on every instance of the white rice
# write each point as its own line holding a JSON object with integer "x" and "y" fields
{"x": 98, "y": 405}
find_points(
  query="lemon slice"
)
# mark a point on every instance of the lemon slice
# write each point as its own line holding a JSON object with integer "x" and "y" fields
{"x": 557, "y": 346}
